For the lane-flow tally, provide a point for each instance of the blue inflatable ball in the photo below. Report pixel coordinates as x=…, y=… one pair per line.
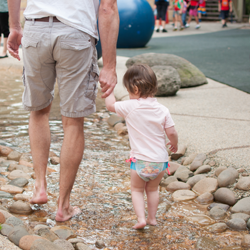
x=136, y=23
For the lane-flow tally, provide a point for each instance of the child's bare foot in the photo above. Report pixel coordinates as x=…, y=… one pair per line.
x=140, y=225
x=151, y=222
x=66, y=214
x=39, y=196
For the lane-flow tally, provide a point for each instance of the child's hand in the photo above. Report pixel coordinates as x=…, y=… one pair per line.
x=173, y=147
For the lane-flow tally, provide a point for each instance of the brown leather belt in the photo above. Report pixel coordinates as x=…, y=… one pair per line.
x=44, y=19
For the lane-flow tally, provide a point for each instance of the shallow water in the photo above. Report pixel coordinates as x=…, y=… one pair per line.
x=102, y=186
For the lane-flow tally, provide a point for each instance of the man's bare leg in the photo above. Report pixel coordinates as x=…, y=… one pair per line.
x=39, y=133
x=70, y=159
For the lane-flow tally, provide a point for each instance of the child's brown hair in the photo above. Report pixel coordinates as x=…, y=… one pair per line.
x=142, y=77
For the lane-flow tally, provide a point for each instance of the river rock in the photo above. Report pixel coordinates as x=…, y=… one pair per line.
x=6, y=214
x=198, y=161
x=189, y=74
x=82, y=246
x=26, y=157
x=18, y=174
x=203, y=169
x=14, y=156
x=47, y=234
x=248, y=224
x=26, y=163
x=232, y=248
x=243, y=216
x=217, y=227
x=225, y=207
x=2, y=218
x=99, y=244
x=227, y=177
x=205, y=198
x=26, y=241
x=63, y=232
x=205, y=185
x=64, y=244
x=167, y=181
x=11, y=189
x=177, y=185
x=180, y=152
x=114, y=119
x=243, y=183
x=225, y=195
x=21, y=197
x=55, y=160
x=183, y=195
x=20, y=207
x=173, y=167
x=6, y=229
x=242, y=206
x=43, y=244
x=217, y=213
x=19, y=182
x=219, y=170
x=23, y=168
x=16, y=234
x=5, y=151
x=204, y=243
x=188, y=160
x=37, y=227
x=237, y=224
x=183, y=175
x=5, y=195
x=246, y=241
x=200, y=219
x=193, y=180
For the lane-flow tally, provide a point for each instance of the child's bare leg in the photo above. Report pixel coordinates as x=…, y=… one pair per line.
x=153, y=198
x=137, y=190
x=196, y=19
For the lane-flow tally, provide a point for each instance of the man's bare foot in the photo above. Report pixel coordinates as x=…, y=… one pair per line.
x=140, y=225
x=64, y=215
x=39, y=197
x=151, y=222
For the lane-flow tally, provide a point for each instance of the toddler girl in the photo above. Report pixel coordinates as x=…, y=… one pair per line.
x=147, y=122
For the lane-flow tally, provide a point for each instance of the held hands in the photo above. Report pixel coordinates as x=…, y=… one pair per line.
x=173, y=147
x=108, y=80
x=14, y=41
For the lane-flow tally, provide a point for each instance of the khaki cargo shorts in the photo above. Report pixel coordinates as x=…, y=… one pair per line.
x=53, y=50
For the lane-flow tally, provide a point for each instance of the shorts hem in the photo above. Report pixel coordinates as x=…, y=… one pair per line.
x=38, y=108
x=79, y=114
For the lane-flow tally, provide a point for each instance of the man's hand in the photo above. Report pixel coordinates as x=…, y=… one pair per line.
x=108, y=80
x=14, y=41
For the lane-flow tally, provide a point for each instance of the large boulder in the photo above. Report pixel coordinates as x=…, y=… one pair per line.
x=190, y=75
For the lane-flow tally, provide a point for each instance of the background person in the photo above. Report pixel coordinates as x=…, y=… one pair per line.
x=4, y=26
x=193, y=12
x=225, y=6
x=161, y=7
x=202, y=9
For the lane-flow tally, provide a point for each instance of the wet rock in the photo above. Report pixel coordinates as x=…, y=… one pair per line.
x=219, y=170
x=248, y=224
x=205, y=198
x=5, y=195
x=82, y=246
x=16, y=234
x=243, y=216
x=64, y=244
x=193, y=180
x=19, y=182
x=5, y=151
x=6, y=214
x=205, y=185
x=11, y=189
x=237, y=224
x=189, y=159
x=43, y=244
x=99, y=244
x=246, y=240
x=200, y=219
x=217, y=227
x=232, y=248
x=177, y=185
x=63, y=232
x=197, y=162
x=225, y=195
x=6, y=229
x=26, y=241
x=204, y=243
x=74, y=241
x=183, y=195
x=47, y=234
x=203, y=169
x=14, y=221
x=222, y=206
x=37, y=227
x=227, y=177
x=21, y=197
x=217, y=213
x=166, y=182
x=173, y=167
x=243, y=183
x=181, y=152
x=2, y=218
x=242, y=206
x=18, y=174
x=20, y=207
x=114, y=119
x=55, y=160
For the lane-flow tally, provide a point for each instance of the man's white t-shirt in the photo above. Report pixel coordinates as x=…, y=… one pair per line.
x=81, y=15
x=146, y=120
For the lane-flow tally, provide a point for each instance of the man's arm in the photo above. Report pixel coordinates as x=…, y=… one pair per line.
x=14, y=39
x=110, y=102
x=108, y=29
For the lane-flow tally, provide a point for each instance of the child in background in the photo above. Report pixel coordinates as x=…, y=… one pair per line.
x=147, y=122
x=184, y=12
x=225, y=6
x=178, y=9
x=202, y=9
x=193, y=4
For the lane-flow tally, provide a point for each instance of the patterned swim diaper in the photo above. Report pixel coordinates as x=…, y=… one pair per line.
x=148, y=170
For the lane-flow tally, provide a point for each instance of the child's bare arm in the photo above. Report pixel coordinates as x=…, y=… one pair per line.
x=110, y=102
x=173, y=138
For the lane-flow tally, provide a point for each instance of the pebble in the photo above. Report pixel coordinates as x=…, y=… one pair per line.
x=189, y=159
x=246, y=240
x=177, y=185
x=242, y=206
x=18, y=174
x=14, y=221
x=201, y=219
x=203, y=169
x=47, y=234
x=183, y=175
x=19, y=182
x=37, y=227
x=21, y=197
x=227, y=177
x=55, y=160
x=114, y=119
x=183, y=195
x=26, y=241
x=217, y=213
x=243, y=183
x=167, y=181
x=225, y=195
x=43, y=244
x=11, y=189
x=219, y=170
x=82, y=246
x=204, y=243
x=193, y=180
x=16, y=234
x=180, y=152
x=74, y=241
x=223, y=206
x=99, y=244
x=205, y=185
x=217, y=227
x=2, y=218
x=5, y=195
x=64, y=244
x=23, y=168
x=26, y=163
x=248, y=224
x=237, y=224
x=6, y=229
x=243, y=216
x=173, y=167
x=197, y=162
x=6, y=214
x=5, y=151
x=14, y=156
x=205, y=198
x=20, y=207
x=63, y=232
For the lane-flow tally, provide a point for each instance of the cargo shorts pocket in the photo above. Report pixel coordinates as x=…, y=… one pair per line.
x=72, y=45
x=91, y=90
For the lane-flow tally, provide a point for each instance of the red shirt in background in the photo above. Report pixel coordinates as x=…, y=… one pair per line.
x=194, y=3
x=224, y=4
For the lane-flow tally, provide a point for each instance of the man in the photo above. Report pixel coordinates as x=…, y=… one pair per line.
x=58, y=41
